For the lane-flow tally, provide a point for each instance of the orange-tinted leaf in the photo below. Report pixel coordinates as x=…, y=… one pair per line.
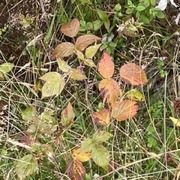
x=124, y=110
x=133, y=74
x=106, y=66
x=64, y=49
x=75, y=74
x=78, y=154
x=71, y=29
x=67, y=115
x=84, y=41
x=110, y=90
x=102, y=117
x=76, y=170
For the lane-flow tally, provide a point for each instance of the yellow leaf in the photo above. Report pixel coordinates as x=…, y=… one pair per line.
x=175, y=121
x=63, y=66
x=54, y=84
x=92, y=50
x=78, y=154
x=80, y=55
x=87, y=62
x=75, y=74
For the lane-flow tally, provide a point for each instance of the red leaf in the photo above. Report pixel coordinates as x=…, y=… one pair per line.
x=84, y=41
x=110, y=90
x=102, y=117
x=76, y=170
x=124, y=110
x=106, y=66
x=133, y=74
x=70, y=29
x=64, y=49
x=67, y=115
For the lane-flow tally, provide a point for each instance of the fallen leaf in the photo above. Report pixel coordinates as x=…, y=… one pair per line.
x=64, y=49
x=135, y=95
x=106, y=66
x=76, y=170
x=102, y=117
x=109, y=90
x=71, y=29
x=54, y=84
x=67, y=115
x=124, y=110
x=175, y=121
x=78, y=154
x=133, y=74
x=84, y=41
x=91, y=51
x=75, y=74
x=63, y=66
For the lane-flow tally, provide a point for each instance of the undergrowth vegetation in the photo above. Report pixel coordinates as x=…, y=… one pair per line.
x=89, y=90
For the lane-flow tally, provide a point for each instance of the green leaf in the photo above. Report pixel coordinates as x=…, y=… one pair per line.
x=6, y=67
x=153, y=2
x=135, y=95
x=29, y=113
x=101, y=136
x=104, y=17
x=54, y=84
x=87, y=145
x=140, y=8
x=130, y=10
x=97, y=24
x=117, y=7
x=46, y=123
x=100, y=156
x=92, y=50
x=26, y=166
x=160, y=14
